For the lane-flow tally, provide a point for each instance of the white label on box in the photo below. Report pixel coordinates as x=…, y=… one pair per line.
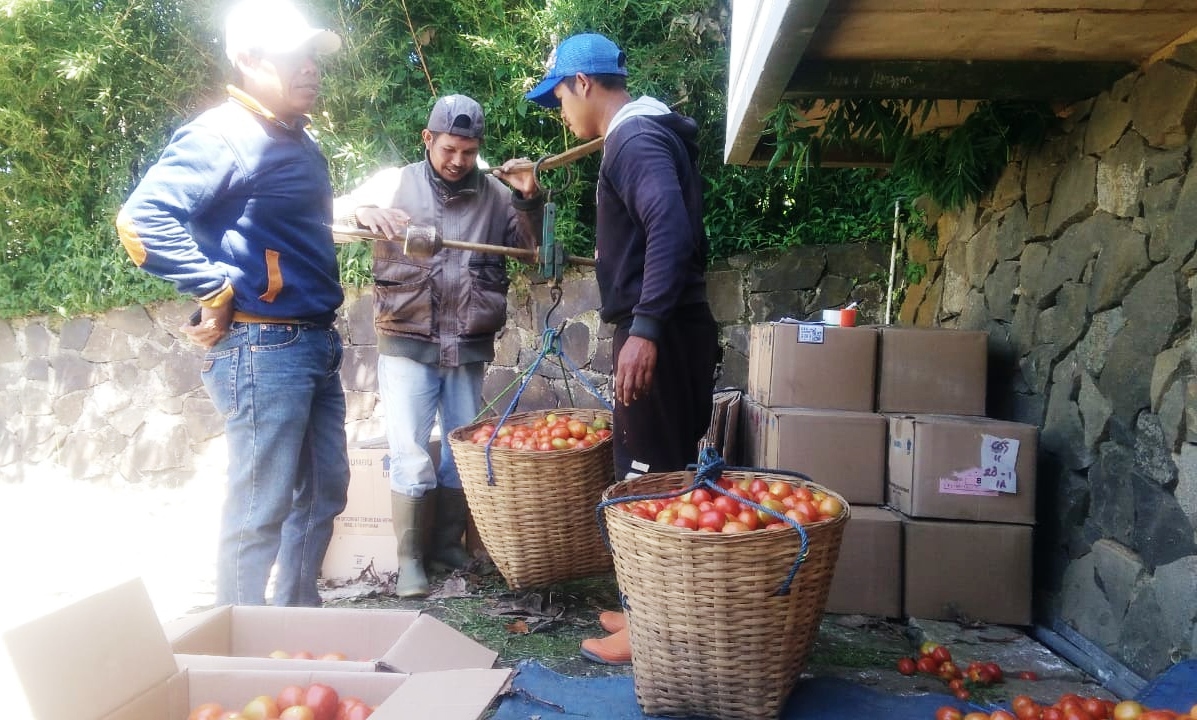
x=998, y=457
x=964, y=482
x=810, y=333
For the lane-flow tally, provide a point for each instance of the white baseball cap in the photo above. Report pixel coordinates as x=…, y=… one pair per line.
x=273, y=26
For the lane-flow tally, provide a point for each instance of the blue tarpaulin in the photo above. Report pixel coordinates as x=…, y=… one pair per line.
x=546, y=695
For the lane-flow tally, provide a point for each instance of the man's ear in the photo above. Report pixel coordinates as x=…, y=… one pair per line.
x=582, y=84
x=246, y=63
x=426, y=136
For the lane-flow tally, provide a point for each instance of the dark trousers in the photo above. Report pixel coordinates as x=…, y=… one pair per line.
x=662, y=428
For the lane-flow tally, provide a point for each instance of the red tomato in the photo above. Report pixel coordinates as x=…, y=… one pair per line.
x=297, y=712
x=749, y=517
x=262, y=707
x=700, y=495
x=995, y=670
x=926, y=665
x=685, y=522
x=947, y=712
x=1051, y=713
x=323, y=701
x=360, y=711
x=1096, y=708
x=780, y=489
x=1028, y=675
x=1076, y=712
x=758, y=486
x=712, y=519
x=735, y=526
x=1000, y=715
x=206, y=711
x=727, y=505
x=940, y=654
x=907, y=666
x=577, y=429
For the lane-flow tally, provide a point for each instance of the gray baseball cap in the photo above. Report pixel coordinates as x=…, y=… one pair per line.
x=457, y=115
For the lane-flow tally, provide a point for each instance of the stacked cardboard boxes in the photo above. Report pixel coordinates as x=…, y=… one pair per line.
x=811, y=409
x=940, y=494
x=964, y=483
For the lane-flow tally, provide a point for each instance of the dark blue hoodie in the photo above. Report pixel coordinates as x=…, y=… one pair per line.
x=651, y=244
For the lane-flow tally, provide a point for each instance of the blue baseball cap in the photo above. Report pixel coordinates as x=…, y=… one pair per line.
x=588, y=53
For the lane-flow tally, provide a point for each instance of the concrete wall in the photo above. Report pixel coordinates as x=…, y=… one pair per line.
x=1080, y=264
x=117, y=397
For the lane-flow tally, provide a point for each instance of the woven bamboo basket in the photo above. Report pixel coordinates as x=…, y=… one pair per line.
x=537, y=518
x=709, y=635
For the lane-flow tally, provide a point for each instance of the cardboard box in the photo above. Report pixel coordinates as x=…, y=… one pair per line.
x=811, y=365
x=932, y=370
x=724, y=429
x=977, y=572
x=108, y=657
x=841, y=450
x=868, y=574
x=362, y=533
x=947, y=466
x=400, y=641
x=363, y=537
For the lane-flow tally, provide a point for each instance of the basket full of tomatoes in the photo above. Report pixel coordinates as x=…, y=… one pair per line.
x=725, y=583
x=532, y=483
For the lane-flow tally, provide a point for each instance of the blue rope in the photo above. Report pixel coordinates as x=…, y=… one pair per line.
x=550, y=345
x=709, y=469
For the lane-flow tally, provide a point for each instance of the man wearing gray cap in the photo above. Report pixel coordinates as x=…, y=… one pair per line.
x=437, y=317
x=235, y=213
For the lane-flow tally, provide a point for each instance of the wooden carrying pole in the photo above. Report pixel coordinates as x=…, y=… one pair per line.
x=555, y=161
x=346, y=234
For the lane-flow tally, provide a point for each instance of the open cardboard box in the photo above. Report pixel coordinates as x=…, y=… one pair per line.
x=107, y=658
x=392, y=640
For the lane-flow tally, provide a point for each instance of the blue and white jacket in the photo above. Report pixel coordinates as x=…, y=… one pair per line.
x=237, y=209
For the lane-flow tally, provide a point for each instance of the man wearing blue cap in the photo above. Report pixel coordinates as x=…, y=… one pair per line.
x=651, y=250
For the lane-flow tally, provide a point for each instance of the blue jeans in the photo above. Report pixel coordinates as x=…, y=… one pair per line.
x=279, y=389
x=412, y=396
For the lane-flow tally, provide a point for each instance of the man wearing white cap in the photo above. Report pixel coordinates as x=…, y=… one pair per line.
x=235, y=213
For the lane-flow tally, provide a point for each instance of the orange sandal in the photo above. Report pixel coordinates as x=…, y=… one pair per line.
x=612, y=620
x=615, y=649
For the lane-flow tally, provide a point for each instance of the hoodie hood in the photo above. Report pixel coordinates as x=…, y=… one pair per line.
x=653, y=109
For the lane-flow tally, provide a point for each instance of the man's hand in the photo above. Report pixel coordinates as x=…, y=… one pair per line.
x=518, y=174
x=634, y=376
x=213, y=324
x=391, y=223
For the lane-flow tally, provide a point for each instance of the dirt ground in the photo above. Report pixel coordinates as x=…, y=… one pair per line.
x=62, y=540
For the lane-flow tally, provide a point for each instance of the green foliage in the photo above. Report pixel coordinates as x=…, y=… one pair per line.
x=91, y=91
x=951, y=167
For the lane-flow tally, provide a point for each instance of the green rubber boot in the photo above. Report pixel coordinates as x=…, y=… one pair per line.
x=452, y=516
x=407, y=520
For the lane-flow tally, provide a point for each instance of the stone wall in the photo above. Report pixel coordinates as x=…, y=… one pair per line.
x=117, y=397
x=1080, y=264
